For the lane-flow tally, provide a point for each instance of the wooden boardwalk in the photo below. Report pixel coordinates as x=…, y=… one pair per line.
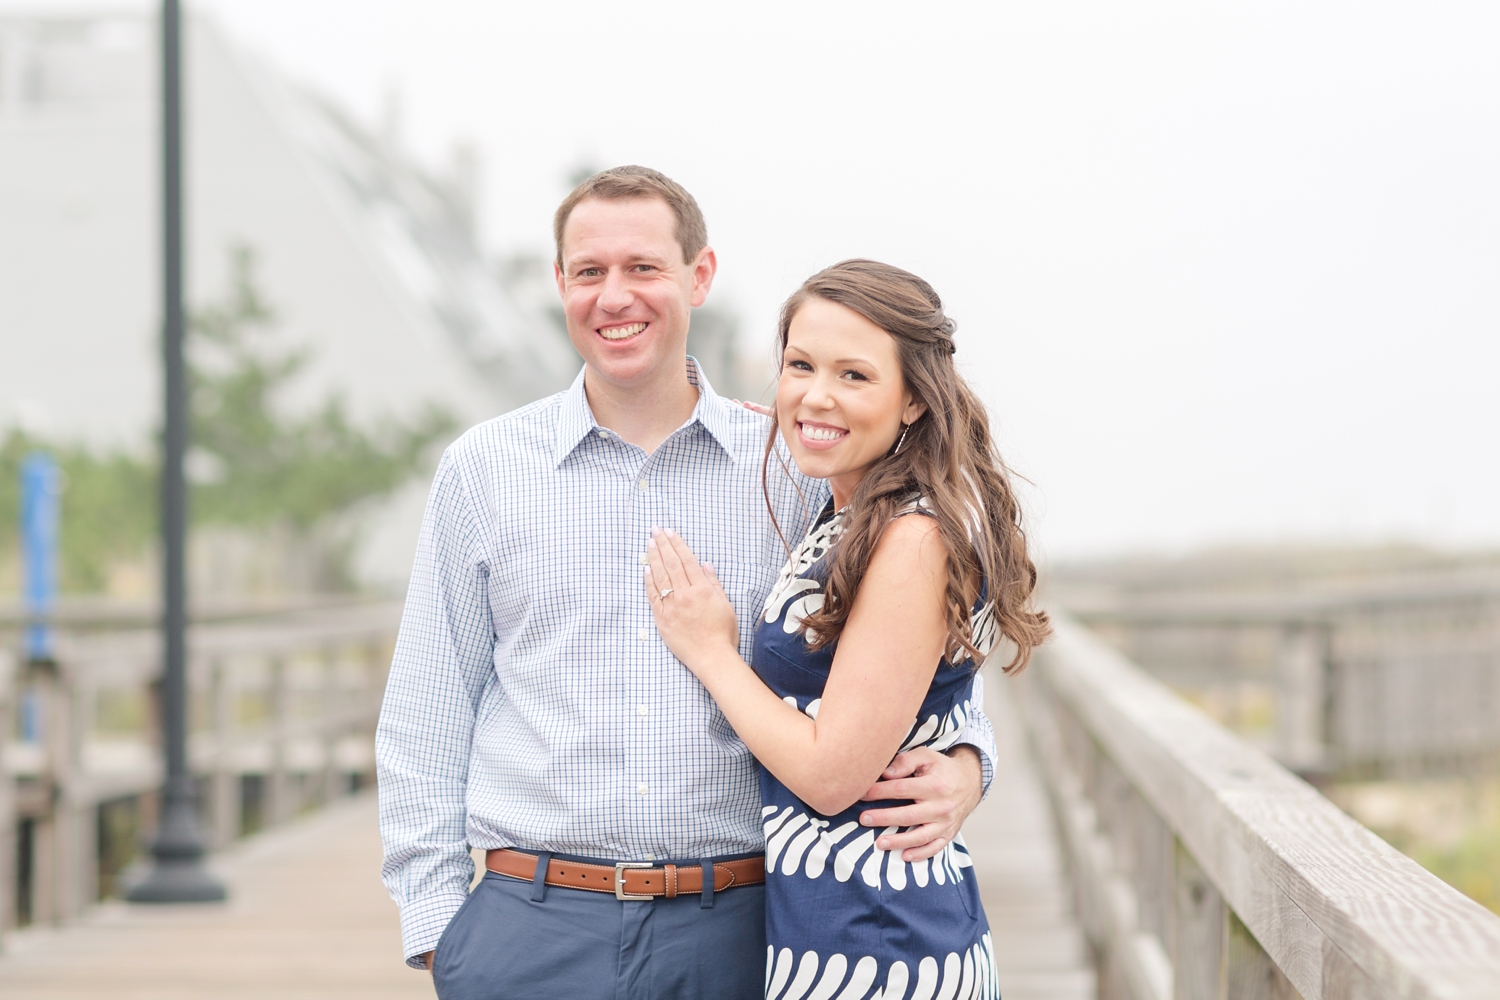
x=309, y=920
x=1040, y=951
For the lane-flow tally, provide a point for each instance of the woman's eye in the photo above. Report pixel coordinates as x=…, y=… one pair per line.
x=801, y=366
x=855, y=376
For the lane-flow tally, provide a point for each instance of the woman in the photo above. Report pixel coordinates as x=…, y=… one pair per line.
x=878, y=619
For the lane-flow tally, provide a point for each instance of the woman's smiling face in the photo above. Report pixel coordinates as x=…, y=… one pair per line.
x=841, y=400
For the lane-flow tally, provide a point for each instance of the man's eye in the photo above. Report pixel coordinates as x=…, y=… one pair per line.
x=589, y=272
x=643, y=268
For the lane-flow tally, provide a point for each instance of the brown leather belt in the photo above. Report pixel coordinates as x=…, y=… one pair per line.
x=629, y=879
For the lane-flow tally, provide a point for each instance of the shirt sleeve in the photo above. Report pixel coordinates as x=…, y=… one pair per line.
x=443, y=658
x=980, y=734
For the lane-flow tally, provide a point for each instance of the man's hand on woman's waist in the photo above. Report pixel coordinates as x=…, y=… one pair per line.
x=944, y=788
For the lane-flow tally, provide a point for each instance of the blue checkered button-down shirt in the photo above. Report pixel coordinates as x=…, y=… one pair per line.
x=531, y=702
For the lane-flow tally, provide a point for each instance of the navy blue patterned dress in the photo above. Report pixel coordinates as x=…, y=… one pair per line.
x=845, y=921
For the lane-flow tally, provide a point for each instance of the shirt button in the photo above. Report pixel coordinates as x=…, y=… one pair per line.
x=604, y=435
x=640, y=484
x=645, y=635
x=641, y=710
x=641, y=789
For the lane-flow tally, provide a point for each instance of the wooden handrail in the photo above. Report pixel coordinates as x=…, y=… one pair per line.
x=1282, y=608
x=326, y=661
x=1152, y=795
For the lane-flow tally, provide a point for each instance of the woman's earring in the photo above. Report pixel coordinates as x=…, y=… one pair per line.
x=902, y=440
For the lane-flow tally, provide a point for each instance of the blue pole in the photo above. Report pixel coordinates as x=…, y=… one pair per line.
x=40, y=486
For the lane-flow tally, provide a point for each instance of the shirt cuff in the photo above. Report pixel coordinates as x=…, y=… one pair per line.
x=423, y=922
x=979, y=734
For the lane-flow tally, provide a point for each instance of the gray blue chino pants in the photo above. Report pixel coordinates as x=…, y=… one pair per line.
x=515, y=940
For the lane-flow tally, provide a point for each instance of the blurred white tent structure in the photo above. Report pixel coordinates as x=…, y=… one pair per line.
x=370, y=261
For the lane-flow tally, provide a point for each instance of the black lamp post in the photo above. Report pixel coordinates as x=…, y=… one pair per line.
x=178, y=874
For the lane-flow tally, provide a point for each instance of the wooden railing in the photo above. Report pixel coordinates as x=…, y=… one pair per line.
x=282, y=710
x=1402, y=679
x=1203, y=869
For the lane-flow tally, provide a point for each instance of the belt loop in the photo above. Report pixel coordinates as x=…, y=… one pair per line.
x=707, y=902
x=539, y=880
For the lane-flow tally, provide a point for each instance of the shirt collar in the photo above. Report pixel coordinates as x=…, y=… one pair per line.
x=576, y=420
x=712, y=411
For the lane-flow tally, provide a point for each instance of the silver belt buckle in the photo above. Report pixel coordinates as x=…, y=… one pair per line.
x=620, y=867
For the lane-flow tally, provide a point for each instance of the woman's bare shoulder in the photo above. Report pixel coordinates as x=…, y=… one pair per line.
x=909, y=545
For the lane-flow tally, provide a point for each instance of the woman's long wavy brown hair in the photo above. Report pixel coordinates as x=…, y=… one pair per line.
x=948, y=457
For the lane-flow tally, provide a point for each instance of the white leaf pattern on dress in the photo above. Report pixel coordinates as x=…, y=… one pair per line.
x=772, y=824
x=818, y=856
x=845, y=859
x=833, y=977
x=775, y=843
x=784, y=842
x=895, y=870
x=952, y=969
x=970, y=976
x=895, y=983
x=871, y=870
x=927, y=979
x=809, y=604
x=777, y=979
x=862, y=979
x=807, y=971
x=800, y=844
x=777, y=601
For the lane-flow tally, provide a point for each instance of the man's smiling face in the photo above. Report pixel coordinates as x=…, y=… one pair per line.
x=626, y=292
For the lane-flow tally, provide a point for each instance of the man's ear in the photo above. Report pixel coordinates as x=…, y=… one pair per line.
x=557, y=275
x=704, y=269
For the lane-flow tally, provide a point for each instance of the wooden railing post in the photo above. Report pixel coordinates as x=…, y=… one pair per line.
x=333, y=712
x=1250, y=973
x=1302, y=696
x=278, y=805
x=1151, y=871
x=51, y=839
x=1201, y=929
x=226, y=776
x=8, y=847
x=78, y=826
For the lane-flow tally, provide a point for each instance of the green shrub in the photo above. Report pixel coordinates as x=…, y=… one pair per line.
x=252, y=466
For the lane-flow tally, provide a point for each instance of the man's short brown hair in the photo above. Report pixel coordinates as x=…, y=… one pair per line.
x=619, y=183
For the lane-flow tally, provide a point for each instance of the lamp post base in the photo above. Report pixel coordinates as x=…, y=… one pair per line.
x=179, y=875
x=178, y=882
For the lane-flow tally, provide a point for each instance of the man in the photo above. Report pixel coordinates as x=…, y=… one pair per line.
x=533, y=712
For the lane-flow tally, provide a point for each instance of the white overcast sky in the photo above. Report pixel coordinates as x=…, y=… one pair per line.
x=1224, y=272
